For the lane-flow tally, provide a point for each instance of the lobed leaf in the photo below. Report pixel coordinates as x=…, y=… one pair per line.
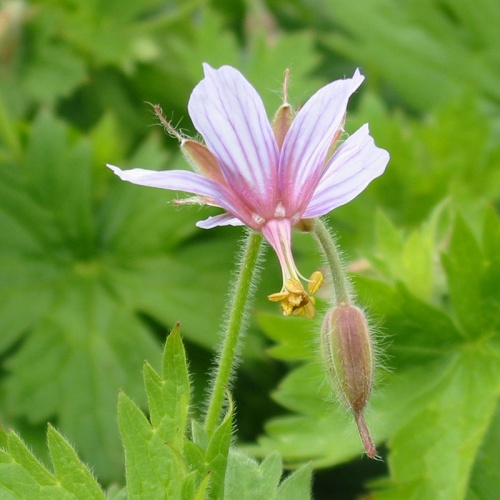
x=23, y=476
x=71, y=474
x=152, y=467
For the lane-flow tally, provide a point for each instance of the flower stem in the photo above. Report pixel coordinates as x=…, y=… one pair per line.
x=235, y=326
x=329, y=248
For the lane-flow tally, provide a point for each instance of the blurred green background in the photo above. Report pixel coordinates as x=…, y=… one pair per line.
x=94, y=272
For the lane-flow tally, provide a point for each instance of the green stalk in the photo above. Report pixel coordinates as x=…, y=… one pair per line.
x=241, y=298
x=327, y=244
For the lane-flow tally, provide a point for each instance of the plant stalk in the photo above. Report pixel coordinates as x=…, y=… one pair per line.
x=235, y=326
x=327, y=244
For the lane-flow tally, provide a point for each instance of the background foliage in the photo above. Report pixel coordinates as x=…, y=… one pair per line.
x=95, y=272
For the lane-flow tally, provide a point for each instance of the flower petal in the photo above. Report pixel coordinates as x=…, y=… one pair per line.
x=278, y=232
x=231, y=117
x=352, y=167
x=176, y=180
x=184, y=180
x=307, y=143
x=219, y=220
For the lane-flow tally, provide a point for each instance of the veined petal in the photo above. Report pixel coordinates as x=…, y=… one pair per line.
x=219, y=220
x=306, y=145
x=352, y=167
x=175, y=180
x=231, y=117
x=184, y=180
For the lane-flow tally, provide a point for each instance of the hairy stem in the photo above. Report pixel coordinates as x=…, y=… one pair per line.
x=329, y=248
x=240, y=301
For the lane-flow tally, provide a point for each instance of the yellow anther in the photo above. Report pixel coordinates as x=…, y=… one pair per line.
x=294, y=286
x=294, y=298
x=307, y=310
x=315, y=282
x=278, y=296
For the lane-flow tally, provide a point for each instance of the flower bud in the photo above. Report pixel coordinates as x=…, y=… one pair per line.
x=347, y=351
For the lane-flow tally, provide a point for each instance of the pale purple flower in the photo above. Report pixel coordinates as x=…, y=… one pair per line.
x=270, y=177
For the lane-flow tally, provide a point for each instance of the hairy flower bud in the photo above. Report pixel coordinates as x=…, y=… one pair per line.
x=348, y=354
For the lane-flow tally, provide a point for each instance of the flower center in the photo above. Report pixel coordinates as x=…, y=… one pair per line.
x=295, y=299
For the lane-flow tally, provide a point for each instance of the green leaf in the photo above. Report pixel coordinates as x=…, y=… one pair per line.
x=421, y=331
x=23, y=476
x=195, y=456
x=17, y=482
x=297, y=485
x=70, y=472
x=53, y=73
x=198, y=435
x=202, y=490
x=390, y=243
x=246, y=479
x=46, y=370
x=156, y=450
x=292, y=335
x=115, y=492
x=491, y=274
x=216, y=458
x=441, y=432
x=169, y=394
x=152, y=468
x=464, y=266
x=21, y=454
x=402, y=42
x=410, y=258
x=485, y=474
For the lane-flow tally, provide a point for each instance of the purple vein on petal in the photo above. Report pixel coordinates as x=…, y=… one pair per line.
x=309, y=139
x=184, y=180
x=353, y=166
x=230, y=115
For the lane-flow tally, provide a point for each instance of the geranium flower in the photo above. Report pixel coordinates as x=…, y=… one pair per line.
x=270, y=177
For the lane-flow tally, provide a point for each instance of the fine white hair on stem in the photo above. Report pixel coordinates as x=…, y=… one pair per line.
x=227, y=311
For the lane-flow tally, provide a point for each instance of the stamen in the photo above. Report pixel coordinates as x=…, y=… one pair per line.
x=294, y=286
x=315, y=281
x=295, y=300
